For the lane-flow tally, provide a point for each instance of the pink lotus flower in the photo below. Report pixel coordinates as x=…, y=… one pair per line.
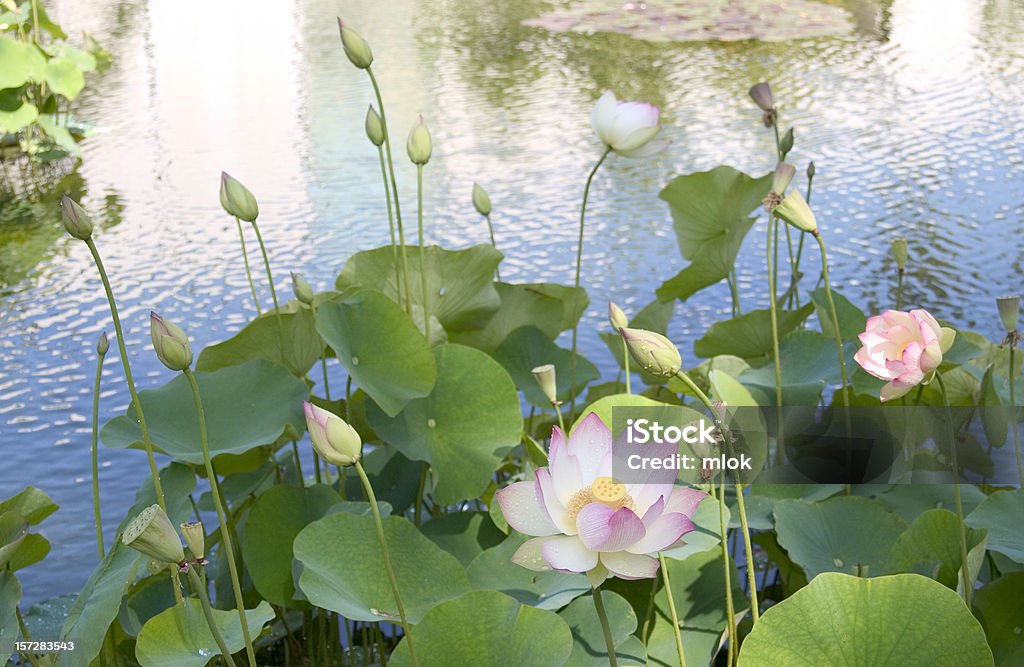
x=904, y=348
x=582, y=520
x=628, y=128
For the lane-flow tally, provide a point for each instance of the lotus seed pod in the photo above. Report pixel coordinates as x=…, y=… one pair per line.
x=1009, y=311
x=374, y=127
x=170, y=343
x=419, y=145
x=77, y=222
x=301, y=289
x=795, y=211
x=546, y=379
x=761, y=93
x=356, y=48
x=900, y=253
x=236, y=199
x=655, y=353
x=481, y=202
x=195, y=538
x=616, y=317
x=103, y=344
x=783, y=176
x=333, y=439
x=152, y=534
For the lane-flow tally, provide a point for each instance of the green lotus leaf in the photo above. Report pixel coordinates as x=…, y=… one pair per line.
x=588, y=644
x=181, y=637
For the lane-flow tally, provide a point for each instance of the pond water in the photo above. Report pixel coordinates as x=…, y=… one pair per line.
x=915, y=121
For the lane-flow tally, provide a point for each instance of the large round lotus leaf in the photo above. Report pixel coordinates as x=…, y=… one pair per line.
x=380, y=347
x=340, y=559
x=910, y=500
x=1001, y=514
x=494, y=570
x=246, y=406
x=180, y=636
x=998, y=607
x=10, y=595
x=487, y=629
x=464, y=535
x=31, y=503
x=460, y=283
x=845, y=621
x=526, y=348
x=847, y=534
x=463, y=428
x=64, y=77
x=588, y=645
x=277, y=516
x=260, y=339
x=931, y=546
x=22, y=62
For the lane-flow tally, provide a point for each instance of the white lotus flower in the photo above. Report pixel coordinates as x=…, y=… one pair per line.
x=628, y=128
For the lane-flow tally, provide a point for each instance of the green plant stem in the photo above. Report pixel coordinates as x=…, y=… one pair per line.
x=222, y=516
x=490, y=230
x=734, y=290
x=96, y=458
x=625, y=362
x=645, y=629
x=672, y=610
x=423, y=250
x=738, y=487
x=372, y=499
x=298, y=463
x=835, y=324
x=576, y=281
x=273, y=290
x=605, y=628
x=248, y=270
x=1013, y=413
x=773, y=307
x=394, y=188
x=899, y=289
x=965, y=570
x=204, y=600
x=391, y=229
x=561, y=422
x=119, y=334
x=730, y=608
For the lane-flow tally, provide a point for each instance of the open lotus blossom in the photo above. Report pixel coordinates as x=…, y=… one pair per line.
x=628, y=128
x=582, y=520
x=903, y=348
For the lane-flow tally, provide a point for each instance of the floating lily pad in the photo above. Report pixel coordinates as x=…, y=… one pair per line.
x=181, y=637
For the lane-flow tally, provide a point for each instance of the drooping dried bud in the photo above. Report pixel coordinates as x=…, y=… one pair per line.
x=616, y=317
x=170, y=343
x=419, y=145
x=481, y=201
x=374, y=127
x=356, y=48
x=103, y=344
x=761, y=93
x=795, y=211
x=333, y=439
x=900, y=253
x=783, y=176
x=236, y=199
x=655, y=353
x=1009, y=311
x=546, y=379
x=195, y=538
x=301, y=289
x=77, y=222
x=152, y=534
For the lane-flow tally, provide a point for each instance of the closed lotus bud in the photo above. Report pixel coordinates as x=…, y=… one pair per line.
x=481, y=202
x=103, y=344
x=1009, y=311
x=900, y=252
x=333, y=439
x=545, y=376
x=761, y=93
x=356, y=48
x=195, y=538
x=77, y=222
x=810, y=169
x=795, y=211
x=303, y=292
x=152, y=534
x=655, y=353
x=170, y=343
x=419, y=146
x=784, y=173
x=616, y=317
x=374, y=127
x=236, y=199
x=786, y=143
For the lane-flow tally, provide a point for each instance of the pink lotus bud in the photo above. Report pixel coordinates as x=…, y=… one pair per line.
x=77, y=222
x=170, y=343
x=628, y=128
x=616, y=317
x=655, y=353
x=333, y=439
x=356, y=48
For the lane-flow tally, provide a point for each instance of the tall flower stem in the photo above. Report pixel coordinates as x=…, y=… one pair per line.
x=394, y=187
x=119, y=334
x=222, y=516
x=672, y=610
x=605, y=628
x=423, y=250
x=965, y=570
x=204, y=600
x=774, y=309
x=730, y=608
x=625, y=360
x=248, y=271
x=1013, y=418
x=835, y=320
x=273, y=291
x=899, y=290
x=738, y=487
x=576, y=281
x=399, y=277
x=95, y=456
x=372, y=499
x=734, y=290
x=490, y=230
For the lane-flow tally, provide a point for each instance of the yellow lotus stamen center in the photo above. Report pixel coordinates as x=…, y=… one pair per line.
x=607, y=491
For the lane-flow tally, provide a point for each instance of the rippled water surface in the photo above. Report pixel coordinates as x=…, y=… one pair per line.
x=914, y=120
